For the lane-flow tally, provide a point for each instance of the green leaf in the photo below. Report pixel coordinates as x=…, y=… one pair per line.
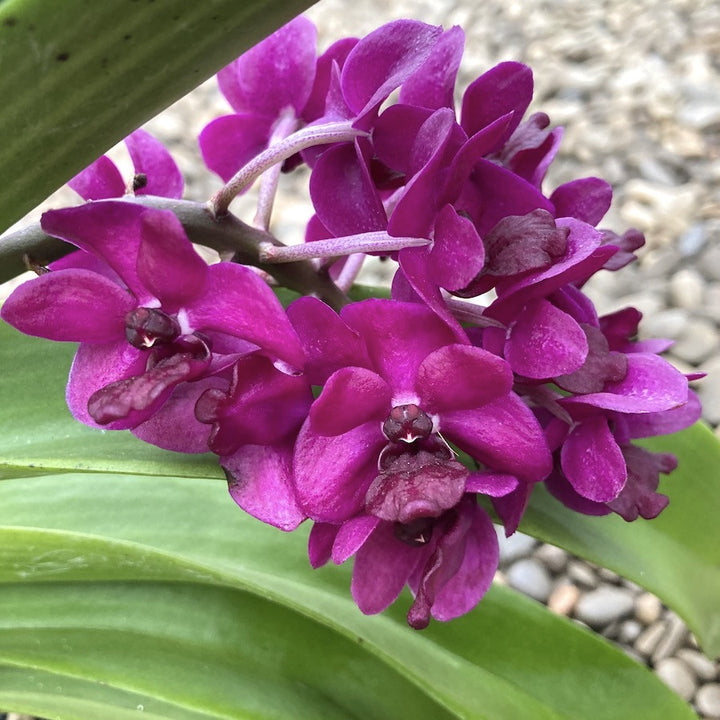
x=676, y=555
x=77, y=76
x=38, y=435
x=159, y=592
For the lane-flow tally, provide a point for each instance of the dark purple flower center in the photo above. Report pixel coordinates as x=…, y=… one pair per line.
x=147, y=327
x=407, y=423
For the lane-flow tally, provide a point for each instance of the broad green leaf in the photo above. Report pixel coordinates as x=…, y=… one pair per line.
x=77, y=77
x=676, y=555
x=38, y=434
x=159, y=592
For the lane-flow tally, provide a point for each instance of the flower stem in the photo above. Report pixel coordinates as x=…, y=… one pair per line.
x=304, y=138
x=337, y=247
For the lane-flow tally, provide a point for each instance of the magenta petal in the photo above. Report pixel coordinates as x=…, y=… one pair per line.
x=504, y=435
x=491, y=483
x=382, y=567
x=545, y=342
x=586, y=199
x=260, y=482
x=352, y=396
x=343, y=194
x=663, y=422
x=277, y=72
x=237, y=302
x=151, y=158
x=382, y=60
x=650, y=385
x=511, y=507
x=508, y=87
x=178, y=412
x=351, y=536
x=328, y=342
x=464, y=589
x=394, y=134
x=559, y=487
x=94, y=367
x=458, y=253
x=320, y=542
x=336, y=54
x=167, y=264
x=398, y=337
x=332, y=474
x=70, y=305
x=432, y=85
x=460, y=377
x=229, y=142
x=99, y=181
x=592, y=460
x=109, y=230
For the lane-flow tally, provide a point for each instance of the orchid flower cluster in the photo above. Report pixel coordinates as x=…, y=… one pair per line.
x=391, y=423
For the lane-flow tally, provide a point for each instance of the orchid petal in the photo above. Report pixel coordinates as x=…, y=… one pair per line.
x=351, y=536
x=508, y=87
x=545, y=342
x=586, y=199
x=332, y=474
x=260, y=482
x=382, y=567
x=69, y=305
x=491, y=483
x=592, y=460
x=109, y=230
x=461, y=377
x=650, y=385
x=99, y=181
x=277, y=72
x=151, y=158
x=352, y=396
x=320, y=542
x=230, y=142
x=336, y=54
x=432, y=85
x=237, y=301
x=504, y=435
x=398, y=337
x=383, y=60
x=329, y=344
x=511, y=507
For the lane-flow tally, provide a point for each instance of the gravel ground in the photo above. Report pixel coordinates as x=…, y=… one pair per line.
x=637, y=87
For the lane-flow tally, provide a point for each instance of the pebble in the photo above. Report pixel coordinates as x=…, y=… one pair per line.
x=668, y=323
x=710, y=262
x=529, y=576
x=554, y=558
x=678, y=676
x=647, y=608
x=579, y=572
x=512, y=548
x=709, y=389
x=563, y=599
x=687, y=289
x=702, y=666
x=604, y=605
x=708, y=700
x=649, y=638
x=675, y=634
x=698, y=341
x=629, y=631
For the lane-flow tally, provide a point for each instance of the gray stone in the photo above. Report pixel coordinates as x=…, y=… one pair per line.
x=708, y=700
x=704, y=668
x=647, y=608
x=604, y=605
x=677, y=676
x=697, y=342
x=710, y=262
x=512, y=548
x=529, y=576
x=687, y=288
x=709, y=390
x=711, y=308
x=554, y=558
x=675, y=634
x=579, y=572
x=563, y=598
x=629, y=631
x=649, y=638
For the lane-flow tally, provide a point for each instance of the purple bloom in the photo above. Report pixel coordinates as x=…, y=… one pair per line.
x=151, y=317
x=398, y=388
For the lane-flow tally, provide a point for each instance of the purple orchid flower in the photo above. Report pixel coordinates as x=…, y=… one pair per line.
x=155, y=172
x=156, y=324
x=373, y=455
